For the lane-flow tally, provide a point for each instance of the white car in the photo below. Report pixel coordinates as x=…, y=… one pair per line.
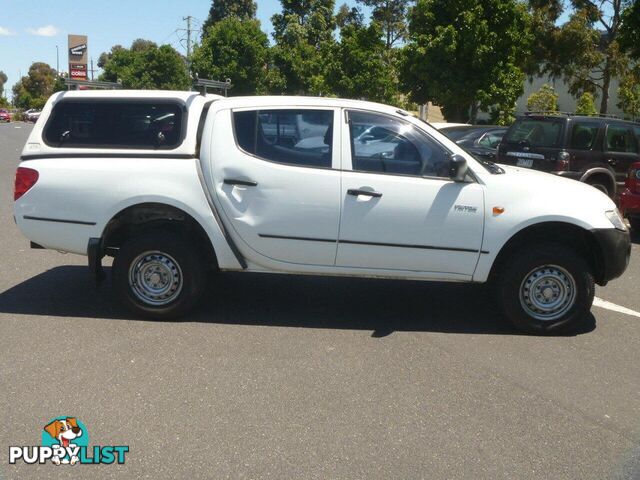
x=175, y=184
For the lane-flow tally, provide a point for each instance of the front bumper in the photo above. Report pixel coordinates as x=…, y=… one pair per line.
x=614, y=253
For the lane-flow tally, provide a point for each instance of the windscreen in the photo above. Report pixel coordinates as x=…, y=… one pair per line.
x=536, y=132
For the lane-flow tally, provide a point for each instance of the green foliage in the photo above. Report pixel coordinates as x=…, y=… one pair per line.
x=544, y=100
x=629, y=94
x=145, y=66
x=33, y=90
x=584, y=51
x=221, y=9
x=238, y=50
x=466, y=54
x=586, y=105
x=630, y=31
x=304, y=44
x=360, y=68
x=391, y=15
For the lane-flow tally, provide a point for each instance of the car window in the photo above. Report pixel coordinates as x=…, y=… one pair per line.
x=620, y=139
x=294, y=137
x=491, y=139
x=117, y=124
x=583, y=135
x=636, y=131
x=380, y=143
x=536, y=132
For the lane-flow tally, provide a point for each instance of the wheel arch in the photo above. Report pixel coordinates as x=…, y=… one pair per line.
x=600, y=173
x=148, y=215
x=568, y=234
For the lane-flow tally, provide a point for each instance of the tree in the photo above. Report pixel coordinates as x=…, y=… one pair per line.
x=392, y=17
x=238, y=50
x=629, y=94
x=586, y=105
x=145, y=66
x=349, y=16
x=304, y=45
x=630, y=30
x=544, y=100
x=33, y=90
x=3, y=80
x=360, y=69
x=221, y=9
x=584, y=51
x=464, y=55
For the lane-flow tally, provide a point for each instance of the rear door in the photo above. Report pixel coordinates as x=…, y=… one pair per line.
x=620, y=148
x=533, y=142
x=278, y=185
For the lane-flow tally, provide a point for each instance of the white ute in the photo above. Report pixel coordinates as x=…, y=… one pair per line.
x=174, y=184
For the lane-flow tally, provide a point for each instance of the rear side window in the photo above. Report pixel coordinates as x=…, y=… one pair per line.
x=294, y=137
x=118, y=124
x=583, y=135
x=536, y=132
x=620, y=139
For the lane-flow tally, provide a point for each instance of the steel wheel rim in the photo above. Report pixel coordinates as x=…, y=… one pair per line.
x=547, y=292
x=155, y=278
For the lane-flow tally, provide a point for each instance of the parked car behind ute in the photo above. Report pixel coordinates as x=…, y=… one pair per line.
x=595, y=150
x=480, y=140
x=175, y=184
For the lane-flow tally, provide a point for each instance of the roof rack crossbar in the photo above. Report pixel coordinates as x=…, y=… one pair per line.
x=75, y=84
x=202, y=84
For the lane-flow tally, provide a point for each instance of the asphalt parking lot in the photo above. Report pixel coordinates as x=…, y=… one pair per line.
x=300, y=377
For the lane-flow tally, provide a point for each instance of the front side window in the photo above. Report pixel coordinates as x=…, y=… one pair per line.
x=294, y=137
x=620, y=139
x=115, y=124
x=583, y=135
x=384, y=144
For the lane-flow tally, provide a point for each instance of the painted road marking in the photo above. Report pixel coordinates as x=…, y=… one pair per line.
x=598, y=302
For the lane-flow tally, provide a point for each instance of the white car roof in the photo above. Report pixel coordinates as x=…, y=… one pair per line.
x=131, y=94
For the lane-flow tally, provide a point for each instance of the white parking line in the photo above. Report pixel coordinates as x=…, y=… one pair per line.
x=598, y=302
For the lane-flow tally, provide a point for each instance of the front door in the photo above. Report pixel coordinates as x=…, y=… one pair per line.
x=400, y=209
x=274, y=176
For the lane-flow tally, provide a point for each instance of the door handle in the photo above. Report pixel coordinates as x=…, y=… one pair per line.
x=244, y=183
x=355, y=192
x=611, y=161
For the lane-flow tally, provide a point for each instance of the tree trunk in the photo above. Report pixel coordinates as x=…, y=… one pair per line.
x=473, y=113
x=606, y=82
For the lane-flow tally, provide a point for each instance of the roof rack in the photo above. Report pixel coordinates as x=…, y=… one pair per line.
x=75, y=84
x=571, y=114
x=201, y=84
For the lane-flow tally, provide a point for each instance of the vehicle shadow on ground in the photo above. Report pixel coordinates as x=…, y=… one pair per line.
x=382, y=306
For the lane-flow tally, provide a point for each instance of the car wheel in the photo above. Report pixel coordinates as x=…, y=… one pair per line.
x=159, y=275
x=600, y=185
x=546, y=289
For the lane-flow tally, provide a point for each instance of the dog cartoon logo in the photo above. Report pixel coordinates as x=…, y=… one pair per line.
x=65, y=431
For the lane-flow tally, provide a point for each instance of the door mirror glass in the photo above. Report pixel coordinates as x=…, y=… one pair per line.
x=457, y=168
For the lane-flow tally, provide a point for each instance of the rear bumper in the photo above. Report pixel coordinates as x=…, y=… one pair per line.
x=629, y=203
x=615, y=251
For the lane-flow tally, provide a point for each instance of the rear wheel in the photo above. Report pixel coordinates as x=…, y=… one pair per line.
x=601, y=185
x=159, y=275
x=546, y=289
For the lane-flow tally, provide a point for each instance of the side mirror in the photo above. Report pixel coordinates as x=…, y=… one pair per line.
x=457, y=168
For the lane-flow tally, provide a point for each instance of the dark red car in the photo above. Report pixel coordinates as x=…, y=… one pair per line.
x=4, y=116
x=630, y=197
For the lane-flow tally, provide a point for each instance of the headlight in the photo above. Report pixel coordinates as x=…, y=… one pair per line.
x=616, y=219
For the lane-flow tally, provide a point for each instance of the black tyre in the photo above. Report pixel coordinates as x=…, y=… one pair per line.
x=546, y=289
x=600, y=185
x=159, y=275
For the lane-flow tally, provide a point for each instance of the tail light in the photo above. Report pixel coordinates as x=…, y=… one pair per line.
x=562, y=163
x=25, y=179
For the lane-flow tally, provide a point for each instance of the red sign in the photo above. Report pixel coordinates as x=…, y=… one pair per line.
x=78, y=71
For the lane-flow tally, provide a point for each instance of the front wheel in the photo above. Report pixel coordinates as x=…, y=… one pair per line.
x=159, y=275
x=546, y=289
